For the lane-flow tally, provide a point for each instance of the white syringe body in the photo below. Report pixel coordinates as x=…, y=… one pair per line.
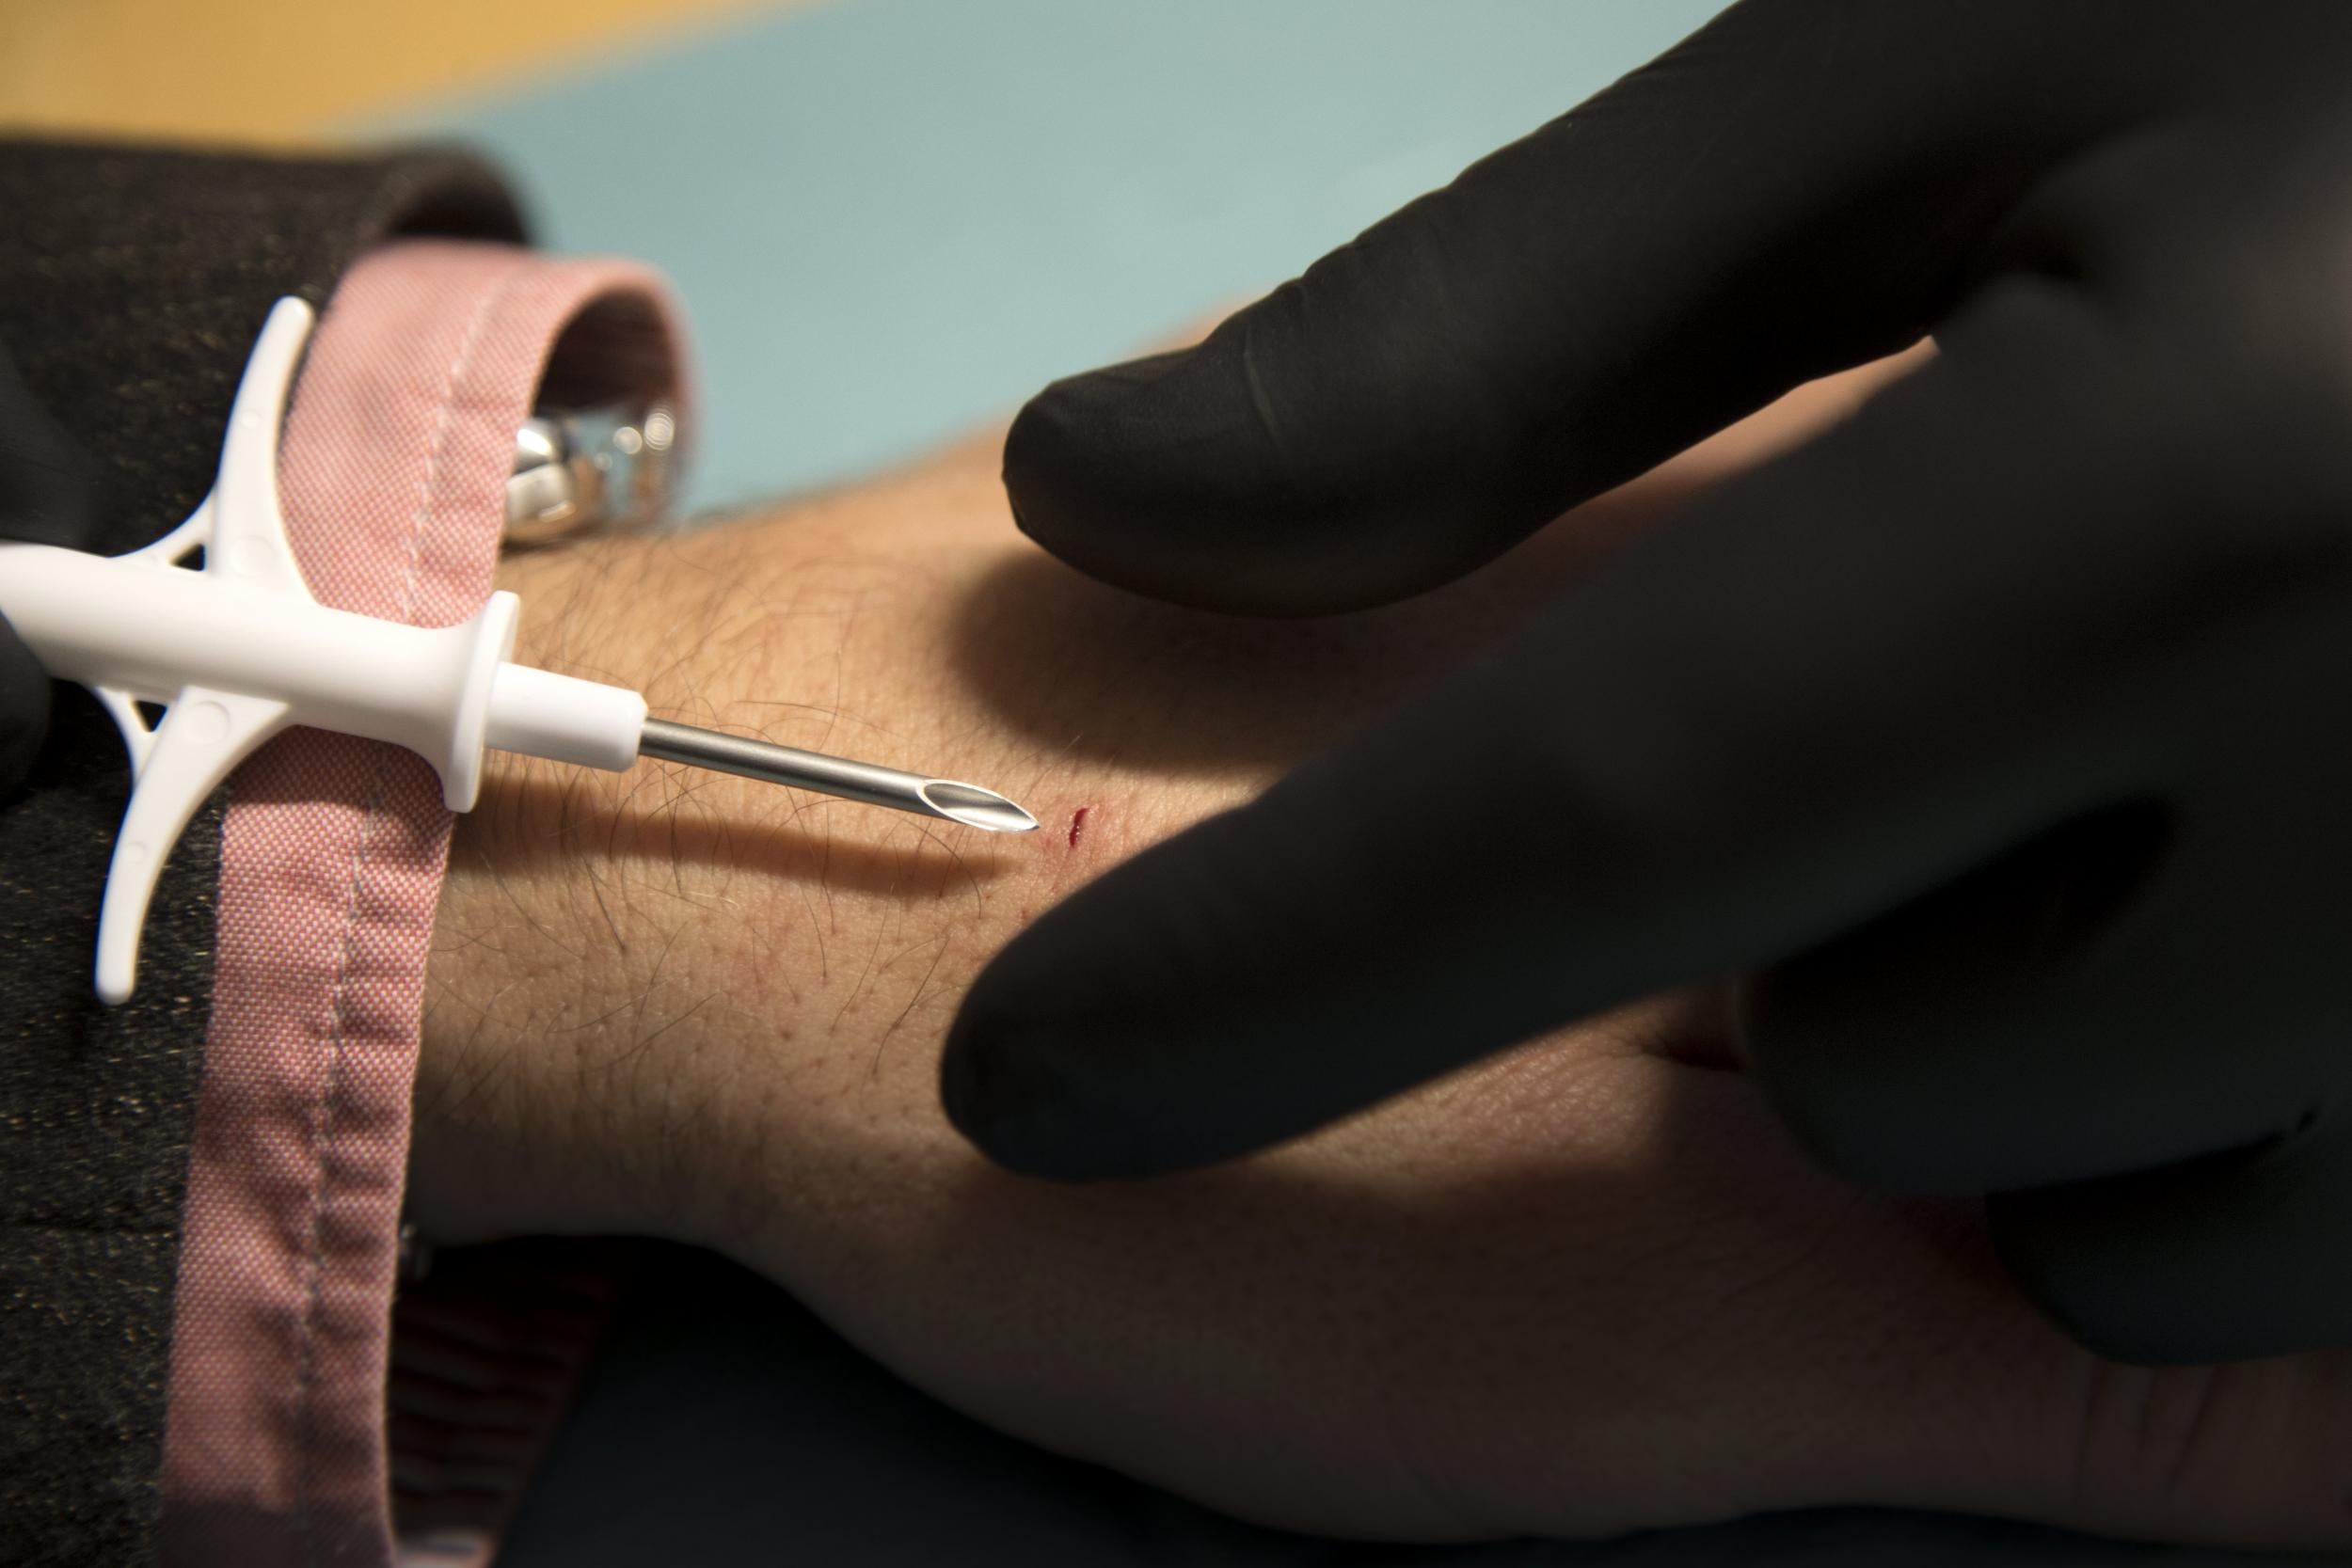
x=154, y=630
x=236, y=649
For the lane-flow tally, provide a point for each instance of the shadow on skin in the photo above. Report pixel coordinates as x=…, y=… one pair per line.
x=1531, y=1255
x=1187, y=690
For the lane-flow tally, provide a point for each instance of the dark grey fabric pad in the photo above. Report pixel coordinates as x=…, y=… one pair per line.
x=132, y=284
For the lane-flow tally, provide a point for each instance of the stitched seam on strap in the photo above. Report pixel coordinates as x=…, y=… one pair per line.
x=411, y=586
x=412, y=578
x=307, y=1374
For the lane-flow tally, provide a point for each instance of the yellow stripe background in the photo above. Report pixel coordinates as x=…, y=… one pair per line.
x=275, y=71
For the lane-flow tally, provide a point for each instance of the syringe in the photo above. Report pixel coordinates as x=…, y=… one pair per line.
x=236, y=650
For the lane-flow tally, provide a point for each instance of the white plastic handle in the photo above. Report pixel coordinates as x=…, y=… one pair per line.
x=152, y=632
x=237, y=650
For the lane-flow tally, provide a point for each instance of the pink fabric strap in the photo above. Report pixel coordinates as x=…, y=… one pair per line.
x=392, y=474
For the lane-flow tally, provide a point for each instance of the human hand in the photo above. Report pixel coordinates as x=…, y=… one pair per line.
x=1586, y=1287
x=1995, y=737
x=45, y=500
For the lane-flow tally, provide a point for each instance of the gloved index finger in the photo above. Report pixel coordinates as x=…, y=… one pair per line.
x=1751, y=210
x=1839, y=684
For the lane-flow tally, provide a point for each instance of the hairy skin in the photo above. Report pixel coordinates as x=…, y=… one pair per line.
x=1587, y=1286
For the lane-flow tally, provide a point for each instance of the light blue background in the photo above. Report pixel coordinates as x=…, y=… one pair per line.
x=891, y=219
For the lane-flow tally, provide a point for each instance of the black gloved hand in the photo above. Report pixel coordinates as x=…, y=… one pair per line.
x=2002, y=737
x=45, y=500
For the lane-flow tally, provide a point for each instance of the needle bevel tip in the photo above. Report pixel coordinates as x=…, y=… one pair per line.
x=976, y=807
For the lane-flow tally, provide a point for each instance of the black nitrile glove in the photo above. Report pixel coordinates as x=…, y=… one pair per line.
x=2001, y=738
x=45, y=500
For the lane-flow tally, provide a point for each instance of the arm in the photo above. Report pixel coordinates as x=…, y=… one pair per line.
x=1587, y=1286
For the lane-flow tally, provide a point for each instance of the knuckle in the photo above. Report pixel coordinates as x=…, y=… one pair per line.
x=2206, y=263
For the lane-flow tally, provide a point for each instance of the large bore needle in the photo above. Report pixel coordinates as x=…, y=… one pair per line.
x=852, y=780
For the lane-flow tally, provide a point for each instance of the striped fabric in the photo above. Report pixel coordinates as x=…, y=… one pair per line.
x=392, y=476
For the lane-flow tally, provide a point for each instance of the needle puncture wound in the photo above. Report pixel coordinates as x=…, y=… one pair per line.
x=235, y=649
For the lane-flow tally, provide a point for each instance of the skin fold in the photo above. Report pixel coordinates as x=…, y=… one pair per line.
x=1589, y=1286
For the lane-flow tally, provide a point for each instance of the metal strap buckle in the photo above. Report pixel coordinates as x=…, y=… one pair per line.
x=607, y=468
